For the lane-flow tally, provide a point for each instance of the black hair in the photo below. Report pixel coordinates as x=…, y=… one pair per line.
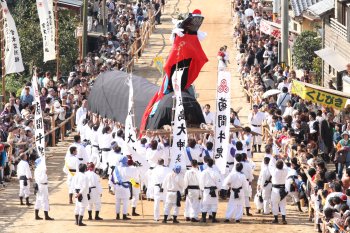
x=210, y=162
x=209, y=145
x=72, y=149
x=194, y=163
x=239, y=157
x=76, y=138
x=239, y=167
x=239, y=145
x=82, y=167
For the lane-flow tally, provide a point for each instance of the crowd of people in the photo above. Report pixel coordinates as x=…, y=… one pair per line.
x=123, y=23
x=307, y=136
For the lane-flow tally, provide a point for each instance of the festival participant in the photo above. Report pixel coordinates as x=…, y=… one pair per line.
x=122, y=186
x=95, y=149
x=156, y=180
x=292, y=185
x=248, y=172
x=193, y=152
x=192, y=193
x=279, y=173
x=210, y=183
x=24, y=176
x=207, y=151
x=42, y=191
x=80, y=185
x=247, y=141
x=173, y=185
x=208, y=116
x=70, y=167
x=135, y=183
x=81, y=154
x=114, y=156
x=237, y=182
x=265, y=185
x=153, y=155
x=256, y=119
x=104, y=142
x=95, y=192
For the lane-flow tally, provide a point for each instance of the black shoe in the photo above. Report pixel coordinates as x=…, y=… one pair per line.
x=37, y=215
x=97, y=215
x=125, y=217
x=27, y=202
x=134, y=212
x=284, y=222
x=204, y=217
x=76, y=219
x=47, y=217
x=275, y=221
x=226, y=221
x=214, y=220
x=194, y=220
x=188, y=219
x=247, y=210
x=165, y=219
x=90, y=214
x=210, y=217
x=21, y=200
x=118, y=217
x=81, y=221
x=175, y=219
x=238, y=221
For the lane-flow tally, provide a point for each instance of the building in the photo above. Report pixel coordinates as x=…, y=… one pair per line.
x=335, y=54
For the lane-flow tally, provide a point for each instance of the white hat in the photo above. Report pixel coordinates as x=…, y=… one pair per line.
x=110, y=43
x=27, y=128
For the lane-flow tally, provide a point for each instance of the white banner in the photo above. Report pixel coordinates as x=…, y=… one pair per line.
x=38, y=120
x=130, y=134
x=178, y=148
x=222, y=119
x=13, y=56
x=47, y=26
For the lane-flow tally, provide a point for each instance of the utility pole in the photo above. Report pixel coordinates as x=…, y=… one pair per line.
x=85, y=32
x=3, y=71
x=104, y=23
x=284, y=31
x=57, y=41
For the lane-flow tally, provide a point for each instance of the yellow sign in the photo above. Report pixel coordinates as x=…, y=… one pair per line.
x=321, y=97
x=159, y=63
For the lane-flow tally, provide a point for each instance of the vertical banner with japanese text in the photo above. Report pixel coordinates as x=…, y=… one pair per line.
x=38, y=120
x=130, y=134
x=13, y=56
x=178, y=148
x=222, y=120
x=47, y=26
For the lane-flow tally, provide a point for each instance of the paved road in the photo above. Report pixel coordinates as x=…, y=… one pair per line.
x=15, y=218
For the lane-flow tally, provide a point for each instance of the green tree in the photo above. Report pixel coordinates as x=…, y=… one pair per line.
x=27, y=21
x=317, y=68
x=304, y=49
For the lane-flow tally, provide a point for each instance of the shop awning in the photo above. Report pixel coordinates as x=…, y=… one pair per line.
x=321, y=95
x=321, y=8
x=332, y=58
x=71, y=3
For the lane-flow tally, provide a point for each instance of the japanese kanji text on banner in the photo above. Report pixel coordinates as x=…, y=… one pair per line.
x=222, y=120
x=130, y=134
x=47, y=26
x=178, y=148
x=13, y=56
x=38, y=121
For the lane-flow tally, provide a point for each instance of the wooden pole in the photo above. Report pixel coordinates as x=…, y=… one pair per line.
x=3, y=71
x=57, y=41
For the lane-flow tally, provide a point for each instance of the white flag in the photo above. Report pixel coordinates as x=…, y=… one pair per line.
x=13, y=56
x=178, y=148
x=38, y=120
x=47, y=26
x=130, y=134
x=222, y=120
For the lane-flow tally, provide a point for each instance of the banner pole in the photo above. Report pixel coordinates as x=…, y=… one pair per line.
x=3, y=70
x=57, y=41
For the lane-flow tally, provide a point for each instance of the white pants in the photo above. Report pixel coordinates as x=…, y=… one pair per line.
x=135, y=196
x=257, y=139
x=277, y=203
x=235, y=208
x=158, y=196
x=246, y=201
x=118, y=202
x=192, y=207
x=79, y=208
x=95, y=157
x=104, y=159
x=168, y=206
x=42, y=198
x=24, y=190
x=95, y=200
x=209, y=208
x=266, y=195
